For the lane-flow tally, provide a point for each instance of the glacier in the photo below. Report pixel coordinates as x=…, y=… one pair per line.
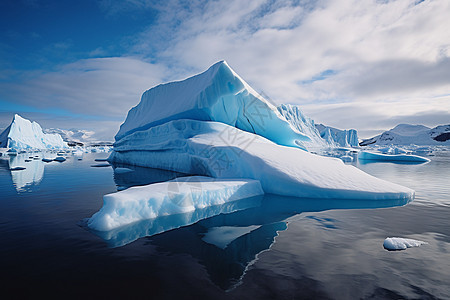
x=23, y=134
x=216, y=126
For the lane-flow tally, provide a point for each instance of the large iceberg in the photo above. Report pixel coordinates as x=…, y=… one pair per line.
x=23, y=134
x=219, y=150
x=215, y=125
x=218, y=94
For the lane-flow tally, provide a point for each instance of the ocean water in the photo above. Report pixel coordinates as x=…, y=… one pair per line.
x=267, y=247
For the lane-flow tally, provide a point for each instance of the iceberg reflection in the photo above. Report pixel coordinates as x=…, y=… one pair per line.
x=27, y=179
x=227, y=239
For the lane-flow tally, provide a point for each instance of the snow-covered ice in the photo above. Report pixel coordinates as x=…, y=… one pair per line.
x=305, y=125
x=396, y=243
x=406, y=134
x=177, y=196
x=366, y=155
x=218, y=94
x=218, y=150
x=337, y=137
x=23, y=134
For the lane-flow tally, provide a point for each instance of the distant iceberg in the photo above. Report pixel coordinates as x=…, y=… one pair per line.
x=366, y=155
x=305, y=125
x=23, y=134
x=338, y=137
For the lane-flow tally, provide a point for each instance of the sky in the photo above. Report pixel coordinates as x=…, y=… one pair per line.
x=362, y=64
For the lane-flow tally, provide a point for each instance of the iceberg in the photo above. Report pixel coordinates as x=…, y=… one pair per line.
x=221, y=151
x=177, y=196
x=342, y=138
x=305, y=125
x=396, y=243
x=218, y=94
x=366, y=155
x=23, y=134
x=214, y=124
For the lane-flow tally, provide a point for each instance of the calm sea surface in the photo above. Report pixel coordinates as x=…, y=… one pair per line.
x=258, y=248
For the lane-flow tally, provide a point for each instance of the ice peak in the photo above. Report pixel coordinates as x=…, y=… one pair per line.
x=218, y=94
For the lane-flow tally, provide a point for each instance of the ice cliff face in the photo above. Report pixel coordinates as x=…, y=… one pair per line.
x=337, y=137
x=218, y=94
x=22, y=134
x=305, y=125
x=405, y=134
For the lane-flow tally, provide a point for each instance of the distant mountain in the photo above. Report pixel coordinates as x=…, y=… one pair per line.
x=74, y=136
x=406, y=134
x=23, y=134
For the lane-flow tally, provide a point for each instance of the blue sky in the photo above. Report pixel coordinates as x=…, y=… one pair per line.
x=366, y=64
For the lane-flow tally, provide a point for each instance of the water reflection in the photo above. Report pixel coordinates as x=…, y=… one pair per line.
x=226, y=239
x=28, y=179
x=135, y=175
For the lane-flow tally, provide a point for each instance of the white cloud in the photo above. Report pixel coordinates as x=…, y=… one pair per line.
x=378, y=51
x=105, y=87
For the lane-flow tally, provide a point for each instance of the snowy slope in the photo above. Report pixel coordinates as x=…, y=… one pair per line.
x=405, y=134
x=73, y=135
x=176, y=196
x=305, y=125
x=342, y=138
x=218, y=150
x=218, y=94
x=24, y=134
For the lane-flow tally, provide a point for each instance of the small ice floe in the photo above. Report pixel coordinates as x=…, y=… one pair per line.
x=60, y=159
x=100, y=165
x=346, y=158
x=122, y=170
x=17, y=169
x=365, y=155
x=396, y=243
x=47, y=160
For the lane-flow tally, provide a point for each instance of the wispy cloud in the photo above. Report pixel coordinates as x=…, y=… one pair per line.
x=99, y=88
x=349, y=63
x=390, y=50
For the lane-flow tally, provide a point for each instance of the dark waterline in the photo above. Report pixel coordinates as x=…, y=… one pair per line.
x=298, y=248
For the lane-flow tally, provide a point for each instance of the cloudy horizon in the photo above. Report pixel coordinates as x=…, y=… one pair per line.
x=367, y=65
